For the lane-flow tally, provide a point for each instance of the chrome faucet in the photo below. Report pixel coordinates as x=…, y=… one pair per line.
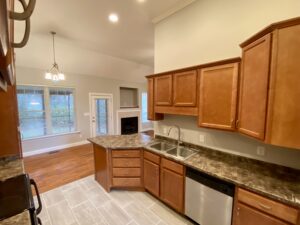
x=178, y=140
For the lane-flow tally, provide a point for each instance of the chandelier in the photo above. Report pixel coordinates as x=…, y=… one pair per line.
x=54, y=74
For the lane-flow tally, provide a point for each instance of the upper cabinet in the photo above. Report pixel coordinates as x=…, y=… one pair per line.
x=176, y=93
x=254, y=87
x=218, y=96
x=270, y=92
x=185, y=88
x=163, y=90
x=151, y=114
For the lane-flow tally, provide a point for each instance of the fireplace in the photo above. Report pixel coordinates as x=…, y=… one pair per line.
x=129, y=125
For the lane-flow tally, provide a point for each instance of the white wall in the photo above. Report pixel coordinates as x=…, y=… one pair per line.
x=83, y=85
x=212, y=30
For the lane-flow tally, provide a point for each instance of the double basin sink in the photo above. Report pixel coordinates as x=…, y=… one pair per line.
x=171, y=149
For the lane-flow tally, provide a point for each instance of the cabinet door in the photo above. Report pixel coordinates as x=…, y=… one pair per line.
x=163, y=90
x=185, y=88
x=151, y=177
x=254, y=88
x=150, y=96
x=172, y=189
x=248, y=216
x=218, y=96
x=284, y=118
x=151, y=114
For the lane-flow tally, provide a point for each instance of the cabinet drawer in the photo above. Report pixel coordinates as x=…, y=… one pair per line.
x=126, y=172
x=126, y=153
x=268, y=206
x=126, y=182
x=126, y=162
x=176, y=167
x=152, y=157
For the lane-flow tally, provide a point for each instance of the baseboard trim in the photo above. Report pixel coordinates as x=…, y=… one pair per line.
x=54, y=148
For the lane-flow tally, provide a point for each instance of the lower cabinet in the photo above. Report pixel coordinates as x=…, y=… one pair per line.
x=151, y=177
x=164, y=178
x=249, y=216
x=252, y=209
x=172, y=186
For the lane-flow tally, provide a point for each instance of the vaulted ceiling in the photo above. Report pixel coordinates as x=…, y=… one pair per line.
x=87, y=42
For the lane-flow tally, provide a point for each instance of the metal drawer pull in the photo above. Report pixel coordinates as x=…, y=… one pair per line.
x=27, y=11
x=265, y=206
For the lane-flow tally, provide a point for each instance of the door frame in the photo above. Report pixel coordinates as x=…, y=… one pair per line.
x=108, y=96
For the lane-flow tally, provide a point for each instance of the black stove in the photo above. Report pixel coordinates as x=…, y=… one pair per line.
x=16, y=197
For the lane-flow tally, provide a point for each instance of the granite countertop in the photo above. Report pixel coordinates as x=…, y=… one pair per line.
x=270, y=180
x=11, y=168
x=133, y=141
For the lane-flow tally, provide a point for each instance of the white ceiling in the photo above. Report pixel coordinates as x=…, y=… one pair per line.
x=86, y=41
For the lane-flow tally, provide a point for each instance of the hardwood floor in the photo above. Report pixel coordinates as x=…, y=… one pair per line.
x=51, y=170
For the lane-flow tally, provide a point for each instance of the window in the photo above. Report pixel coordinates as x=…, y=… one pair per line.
x=144, y=107
x=62, y=110
x=31, y=112
x=45, y=111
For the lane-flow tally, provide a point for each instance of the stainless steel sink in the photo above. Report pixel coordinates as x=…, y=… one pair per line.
x=181, y=152
x=163, y=146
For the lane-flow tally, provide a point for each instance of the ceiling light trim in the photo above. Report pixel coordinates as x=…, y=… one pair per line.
x=172, y=11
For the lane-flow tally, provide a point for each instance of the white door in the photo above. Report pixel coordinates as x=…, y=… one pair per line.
x=101, y=114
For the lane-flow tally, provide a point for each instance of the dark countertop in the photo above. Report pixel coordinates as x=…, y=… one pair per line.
x=8, y=169
x=270, y=180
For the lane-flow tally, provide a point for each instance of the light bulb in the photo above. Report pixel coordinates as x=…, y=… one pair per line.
x=48, y=76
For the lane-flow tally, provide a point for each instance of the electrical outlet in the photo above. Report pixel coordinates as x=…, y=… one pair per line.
x=261, y=151
x=202, y=138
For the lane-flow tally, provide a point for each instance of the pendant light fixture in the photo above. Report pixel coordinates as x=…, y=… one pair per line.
x=54, y=74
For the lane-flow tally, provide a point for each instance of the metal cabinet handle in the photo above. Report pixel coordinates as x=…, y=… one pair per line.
x=264, y=206
x=27, y=11
x=27, y=25
x=39, y=209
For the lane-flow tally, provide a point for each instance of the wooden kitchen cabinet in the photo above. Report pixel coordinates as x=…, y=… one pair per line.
x=218, y=96
x=151, y=113
x=185, y=88
x=254, y=88
x=152, y=172
x=151, y=177
x=172, y=184
x=163, y=90
x=249, y=216
x=270, y=82
x=251, y=209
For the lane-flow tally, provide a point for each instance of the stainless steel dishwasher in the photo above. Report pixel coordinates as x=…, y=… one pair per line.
x=208, y=200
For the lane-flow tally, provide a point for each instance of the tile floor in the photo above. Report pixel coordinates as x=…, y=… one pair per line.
x=84, y=202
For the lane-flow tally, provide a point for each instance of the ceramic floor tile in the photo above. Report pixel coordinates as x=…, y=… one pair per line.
x=53, y=197
x=121, y=197
x=167, y=215
x=61, y=214
x=113, y=214
x=143, y=198
x=141, y=215
x=75, y=196
x=86, y=214
x=44, y=216
x=85, y=202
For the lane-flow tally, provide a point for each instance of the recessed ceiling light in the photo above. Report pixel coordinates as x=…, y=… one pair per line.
x=113, y=17
x=141, y=1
